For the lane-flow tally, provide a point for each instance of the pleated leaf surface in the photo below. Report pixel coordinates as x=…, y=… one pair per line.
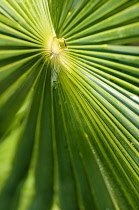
x=69, y=104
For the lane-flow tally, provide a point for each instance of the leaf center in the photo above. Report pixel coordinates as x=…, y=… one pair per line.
x=58, y=45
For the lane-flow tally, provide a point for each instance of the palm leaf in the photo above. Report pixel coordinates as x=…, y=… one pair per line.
x=69, y=107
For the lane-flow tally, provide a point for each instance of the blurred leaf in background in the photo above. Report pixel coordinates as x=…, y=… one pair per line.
x=69, y=104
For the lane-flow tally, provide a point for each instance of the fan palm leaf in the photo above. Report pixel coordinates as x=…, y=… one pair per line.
x=69, y=87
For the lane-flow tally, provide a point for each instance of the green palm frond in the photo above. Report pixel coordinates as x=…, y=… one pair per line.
x=69, y=104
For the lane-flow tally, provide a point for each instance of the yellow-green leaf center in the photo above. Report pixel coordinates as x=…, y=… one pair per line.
x=58, y=45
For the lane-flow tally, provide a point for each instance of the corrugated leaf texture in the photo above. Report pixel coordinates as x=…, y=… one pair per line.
x=69, y=107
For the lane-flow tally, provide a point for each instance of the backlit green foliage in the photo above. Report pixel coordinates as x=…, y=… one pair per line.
x=69, y=94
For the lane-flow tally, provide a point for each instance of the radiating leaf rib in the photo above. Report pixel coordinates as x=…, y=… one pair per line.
x=66, y=6
x=123, y=58
x=15, y=33
x=108, y=74
x=75, y=100
x=87, y=115
x=12, y=53
x=97, y=107
x=19, y=171
x=110, y=22
x=9, y=109
x=106, y=104
x=53, y=17
x=44, y=193
x=102, y=62
x=83, y=70
x=13, y=24
x=66, y=183
x=36, y=27
x=12, y=67
x=20, y=16
x=14, y=14
x=11, y=41
x=91, y=75
x=17, y=58
x=121, y=32
x=94, y=185
x=110, y=48
x=79, y=8
x=85, y=121
x=107, y=7
x=87, y=200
